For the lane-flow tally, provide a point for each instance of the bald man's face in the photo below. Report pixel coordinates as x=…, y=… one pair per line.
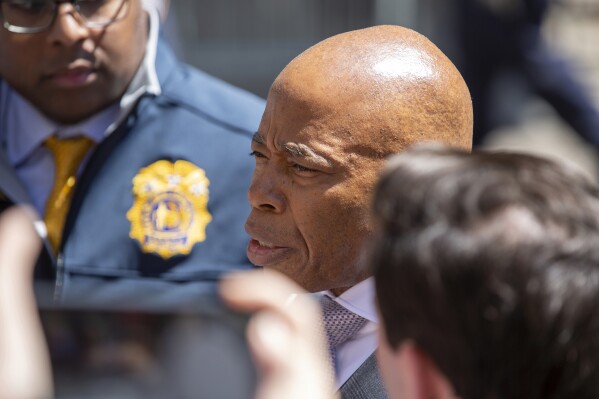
x=310, y=195
x=332, y=116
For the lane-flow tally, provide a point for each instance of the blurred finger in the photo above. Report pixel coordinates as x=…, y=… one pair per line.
x=270, y=290
x=24, y=361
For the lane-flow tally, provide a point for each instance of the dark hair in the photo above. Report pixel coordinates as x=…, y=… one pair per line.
x=489, y=262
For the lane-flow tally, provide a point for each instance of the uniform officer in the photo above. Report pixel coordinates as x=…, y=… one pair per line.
x=136, y=163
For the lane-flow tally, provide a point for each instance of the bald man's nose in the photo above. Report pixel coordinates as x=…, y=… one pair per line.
x=265, y=193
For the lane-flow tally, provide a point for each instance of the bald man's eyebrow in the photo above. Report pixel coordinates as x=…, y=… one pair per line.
x=302, y=151
x=297, y=151
x=258, y=139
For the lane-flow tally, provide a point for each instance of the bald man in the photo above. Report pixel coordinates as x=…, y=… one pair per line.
x=332, y=117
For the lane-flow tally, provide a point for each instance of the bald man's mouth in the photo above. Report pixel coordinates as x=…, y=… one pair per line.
x=265, y=253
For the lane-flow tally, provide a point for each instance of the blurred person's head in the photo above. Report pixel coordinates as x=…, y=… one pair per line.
x=487, y=276
x=71, y=64
x=332, y=116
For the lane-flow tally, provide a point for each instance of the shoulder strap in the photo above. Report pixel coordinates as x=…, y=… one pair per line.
x=10, y=185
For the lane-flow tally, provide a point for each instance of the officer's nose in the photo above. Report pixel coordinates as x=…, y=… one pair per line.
x=68, y=27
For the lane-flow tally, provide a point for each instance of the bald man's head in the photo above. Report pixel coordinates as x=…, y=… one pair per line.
x=332, y=116
x=388, y=82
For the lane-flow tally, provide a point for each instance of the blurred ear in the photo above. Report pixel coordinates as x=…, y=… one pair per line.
x=427, y=381
x=411, y=374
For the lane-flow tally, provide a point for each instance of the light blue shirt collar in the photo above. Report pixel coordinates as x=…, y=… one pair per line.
x=27, y=128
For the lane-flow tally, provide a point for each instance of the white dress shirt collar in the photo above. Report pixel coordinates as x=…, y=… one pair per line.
x=360, y=299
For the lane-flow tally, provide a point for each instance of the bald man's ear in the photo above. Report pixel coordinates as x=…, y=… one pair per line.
x=409, y=373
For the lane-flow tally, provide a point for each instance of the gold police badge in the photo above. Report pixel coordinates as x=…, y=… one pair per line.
x=169, y=213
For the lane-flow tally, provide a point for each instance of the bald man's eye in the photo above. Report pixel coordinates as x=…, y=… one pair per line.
x=257, y=154
x=302, y=170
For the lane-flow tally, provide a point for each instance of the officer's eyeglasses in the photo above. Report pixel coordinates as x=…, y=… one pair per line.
x=32, y=16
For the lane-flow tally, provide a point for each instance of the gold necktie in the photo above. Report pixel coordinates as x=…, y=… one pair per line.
x=68, y=154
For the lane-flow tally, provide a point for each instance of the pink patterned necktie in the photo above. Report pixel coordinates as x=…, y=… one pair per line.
x=340, y=324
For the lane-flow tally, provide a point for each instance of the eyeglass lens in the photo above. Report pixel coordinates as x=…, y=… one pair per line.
x=41, y=13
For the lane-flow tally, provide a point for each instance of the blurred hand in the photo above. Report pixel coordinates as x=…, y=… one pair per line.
x=24, y=361
x=284, y=335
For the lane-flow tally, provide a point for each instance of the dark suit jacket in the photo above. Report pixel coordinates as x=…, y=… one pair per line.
x=365, y=383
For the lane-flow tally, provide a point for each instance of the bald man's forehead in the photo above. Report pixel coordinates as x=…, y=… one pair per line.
x=387, y=82
x=360, y=128
x=342, y=82
x=333, y=141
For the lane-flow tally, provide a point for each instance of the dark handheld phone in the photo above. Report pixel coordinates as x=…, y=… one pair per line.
x=199, y=353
